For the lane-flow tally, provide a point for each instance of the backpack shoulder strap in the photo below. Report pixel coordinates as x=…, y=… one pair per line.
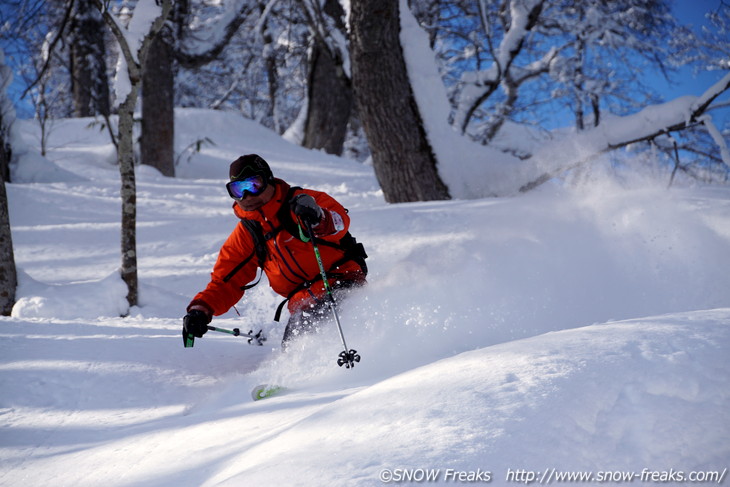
x=259, y=240
x=254, y=229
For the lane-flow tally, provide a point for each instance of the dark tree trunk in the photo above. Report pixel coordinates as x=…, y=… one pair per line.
x=8, y=275
x=89, y=81
x=157, y=143
x=404, y=162
x=596, y=105
x=330, y=98
x=272, y=77
x=5, y=149
x=330, y=103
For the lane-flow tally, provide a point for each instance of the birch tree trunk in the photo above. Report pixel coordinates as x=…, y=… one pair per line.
x=125, y=139
x=128, y=193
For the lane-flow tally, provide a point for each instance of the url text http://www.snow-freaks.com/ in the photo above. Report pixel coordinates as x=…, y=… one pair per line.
x=550, y=476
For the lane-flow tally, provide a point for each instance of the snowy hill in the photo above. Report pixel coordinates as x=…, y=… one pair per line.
x=519, y=339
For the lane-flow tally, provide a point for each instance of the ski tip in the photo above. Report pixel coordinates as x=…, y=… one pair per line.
x=263, y=391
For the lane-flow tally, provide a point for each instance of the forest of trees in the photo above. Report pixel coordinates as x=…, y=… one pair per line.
x=332, y=75
x=294, y=65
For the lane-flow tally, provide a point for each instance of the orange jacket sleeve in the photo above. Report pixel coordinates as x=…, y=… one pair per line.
x=236, y=266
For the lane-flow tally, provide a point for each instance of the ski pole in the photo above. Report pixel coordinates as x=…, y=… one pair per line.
x=348, y=357
x=259, y=337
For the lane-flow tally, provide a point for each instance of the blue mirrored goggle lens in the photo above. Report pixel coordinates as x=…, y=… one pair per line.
x=253, y=186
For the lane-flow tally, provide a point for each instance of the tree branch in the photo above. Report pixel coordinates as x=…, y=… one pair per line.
x=51, y=48
x=191, y=60
x=703, y=104
x=509, y=49
x=134, y=60
x=697, y=109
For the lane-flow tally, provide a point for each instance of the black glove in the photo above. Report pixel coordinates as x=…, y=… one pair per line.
x=304, y=206
x=196, y=323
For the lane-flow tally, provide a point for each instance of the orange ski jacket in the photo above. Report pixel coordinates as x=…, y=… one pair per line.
x=291, y=266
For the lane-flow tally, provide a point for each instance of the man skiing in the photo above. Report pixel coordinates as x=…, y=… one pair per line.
x=272, y=236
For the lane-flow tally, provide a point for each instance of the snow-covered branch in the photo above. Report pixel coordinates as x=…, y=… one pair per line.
x=704, y=101
x=479, y=86
x=146, y=21
x=206, y=44
x=134, y=40
x=649, y=123
x=706, y=120
x=326, y=25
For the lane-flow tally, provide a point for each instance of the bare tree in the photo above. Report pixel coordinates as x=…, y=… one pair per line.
x=329, y=89
x=157, y=139
x=8, y=275
x=404, y=161
x=33, y=37
x=135, y=53
x=174, y=44
x=89, y=81
x=502, y=62
x=681, y=121
x=517, y=21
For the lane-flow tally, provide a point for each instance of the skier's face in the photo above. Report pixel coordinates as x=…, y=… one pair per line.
x=252, y=203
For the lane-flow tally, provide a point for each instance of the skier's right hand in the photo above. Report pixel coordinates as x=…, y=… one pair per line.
x=196, y=322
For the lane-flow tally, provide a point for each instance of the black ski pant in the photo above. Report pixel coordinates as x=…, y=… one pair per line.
x=308, y=319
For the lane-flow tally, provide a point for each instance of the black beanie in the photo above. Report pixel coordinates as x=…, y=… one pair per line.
x=250, y=165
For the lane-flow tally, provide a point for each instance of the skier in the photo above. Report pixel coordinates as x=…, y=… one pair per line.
x=272, y=236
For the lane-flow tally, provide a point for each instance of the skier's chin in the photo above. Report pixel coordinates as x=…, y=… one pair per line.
x=250, y=203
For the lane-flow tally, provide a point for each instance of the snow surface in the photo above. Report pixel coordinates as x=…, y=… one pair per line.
x=576, y=329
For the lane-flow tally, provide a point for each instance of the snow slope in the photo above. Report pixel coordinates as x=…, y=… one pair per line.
x=567, y=330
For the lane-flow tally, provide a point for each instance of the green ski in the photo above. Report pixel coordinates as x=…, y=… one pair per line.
x=264, y=391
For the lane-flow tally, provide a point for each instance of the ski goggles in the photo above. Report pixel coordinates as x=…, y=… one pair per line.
x=252, y=186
